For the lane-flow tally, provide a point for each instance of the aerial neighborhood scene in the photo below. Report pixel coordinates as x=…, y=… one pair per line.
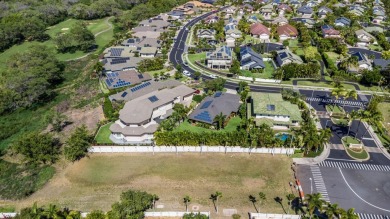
x=170, y=109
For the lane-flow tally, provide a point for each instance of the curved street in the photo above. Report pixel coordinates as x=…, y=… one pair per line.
x=363, y=185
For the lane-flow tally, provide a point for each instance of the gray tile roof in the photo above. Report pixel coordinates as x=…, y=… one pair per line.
x=212, y=106
x=125, y=78
x=119, y=64
x=221, y=53
x=305, y=10
x=382, y=63
x=142, y=42
x=250, y=58
x=143, y=89
x=140, y=109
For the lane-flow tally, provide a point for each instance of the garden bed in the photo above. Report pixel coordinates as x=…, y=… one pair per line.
x=355, y=153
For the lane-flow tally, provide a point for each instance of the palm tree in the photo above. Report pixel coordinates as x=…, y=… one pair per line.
x=215, y=197
x=314, y=202
x=290, y=198
x=155, y=198
x=262, y=197
x=186, y=200
x=220, y=120
x=350, y=94
x=332, y=210
x=253, y=200
x=337, y=92
x=352, y=116
x=52, y=212
x=350, y=214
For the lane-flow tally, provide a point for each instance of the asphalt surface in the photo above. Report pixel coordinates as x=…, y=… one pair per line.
x=361, y=185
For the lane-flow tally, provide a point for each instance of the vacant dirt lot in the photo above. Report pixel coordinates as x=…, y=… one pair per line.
x=96, y=182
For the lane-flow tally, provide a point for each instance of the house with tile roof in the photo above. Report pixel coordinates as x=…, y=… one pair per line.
x=305, y=11
x=283, y=8
x=120, y=64
x=250, y=59
x=364, y=38
x=221, y=58
x=323, y=11
x=119, y=79
x=280, y=21
x=357, y=9
x=287, y=32
x=267, y=11
x=260, y=31
x=231, y=34
x=342, y=22
x=211, y=106
x=208, y=34
x=363, y=63
x=329, y=32
x=139, y=118
x=142, y=42
x=382, y=64
x=285, y=56
x=271, y=109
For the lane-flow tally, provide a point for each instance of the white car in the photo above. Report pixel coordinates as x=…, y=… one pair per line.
x=212, y=76
x=186, y=73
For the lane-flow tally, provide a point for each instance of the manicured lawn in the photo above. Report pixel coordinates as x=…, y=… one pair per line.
x=196, y=57
x=354, y=153
x=97, y=181
x=95, y=26
x=384, y=108
x=231, y=126
x=103, y=136
x=334, y=56
x=375, y=47
x=267, y=72
x=334, y=109
x=293, y=43
x=323, y=84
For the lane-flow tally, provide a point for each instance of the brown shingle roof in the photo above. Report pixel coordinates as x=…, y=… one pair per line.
x=258, y=29
x=288, y=30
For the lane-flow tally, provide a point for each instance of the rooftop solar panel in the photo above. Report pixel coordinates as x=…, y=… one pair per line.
x=206, y=104
x=124, y=94
x=140, y=76
x=153, y=99
x=218, y=94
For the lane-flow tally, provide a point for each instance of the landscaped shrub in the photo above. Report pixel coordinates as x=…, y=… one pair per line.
x=198, y=98
x=108, y=109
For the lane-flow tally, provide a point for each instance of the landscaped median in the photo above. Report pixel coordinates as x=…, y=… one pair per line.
x=338, y=115
x=355, y=148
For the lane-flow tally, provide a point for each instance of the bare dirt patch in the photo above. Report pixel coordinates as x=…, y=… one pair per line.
x=96, y=182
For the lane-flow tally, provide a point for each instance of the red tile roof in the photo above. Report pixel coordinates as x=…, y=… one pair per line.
x=258, y=29
x=288, y=30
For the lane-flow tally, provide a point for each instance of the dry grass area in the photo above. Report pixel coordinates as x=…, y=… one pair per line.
x=96, y=182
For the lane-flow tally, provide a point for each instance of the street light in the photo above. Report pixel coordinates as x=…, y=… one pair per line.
x=311, y=185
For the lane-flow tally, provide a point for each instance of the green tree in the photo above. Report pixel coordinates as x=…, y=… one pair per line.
x=192, y=215
x=220, y=120
x=215, y=197
x=386, y=54
x=310, y=53
x=78, y=38
x=97, y=214
x=57, y=120
x=290, y=197
x=78, y=144
x=262, y=197
x=235, y=68
x=186, y=200
x=371, y=77
x=132, y=205
x=314, y=202
x=38, y=148
x=197, y=75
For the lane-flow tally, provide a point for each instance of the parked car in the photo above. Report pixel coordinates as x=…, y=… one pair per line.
x=212, y=76
x=186, y=73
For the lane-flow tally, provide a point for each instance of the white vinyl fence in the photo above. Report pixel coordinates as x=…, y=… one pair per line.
x=161, y=214
x=193, y=149
x=273, y=216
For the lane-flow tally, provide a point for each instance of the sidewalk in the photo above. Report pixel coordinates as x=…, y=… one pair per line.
x=376, y=140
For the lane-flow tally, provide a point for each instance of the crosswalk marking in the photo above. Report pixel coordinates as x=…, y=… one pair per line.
x=372, y=216
x=331, y=101
x=319, y=182
x=353, y=165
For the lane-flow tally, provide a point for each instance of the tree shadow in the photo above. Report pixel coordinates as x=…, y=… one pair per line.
x=280, y=201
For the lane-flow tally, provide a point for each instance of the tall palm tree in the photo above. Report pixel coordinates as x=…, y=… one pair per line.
x=290, y=197
x=262, y=197
x=332, y=210
x=52, y=212
x=352, y=116
x=220, y=120
x=314, y=202
x=349, y=94
x=215, y=197
x=186, y=200
x=253, y=200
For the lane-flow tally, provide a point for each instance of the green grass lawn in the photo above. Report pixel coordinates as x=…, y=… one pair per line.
x=323, y=84
x=375, y=47
x=362, y=154
x=334, y=109
x=384, y=108
x=196, y=57
x=293, y=43
x=103, y=135
x=96, y=182
x=95, y=26
x=334, y=56
x=231, y=126
x=350, y=140
x=266, y=74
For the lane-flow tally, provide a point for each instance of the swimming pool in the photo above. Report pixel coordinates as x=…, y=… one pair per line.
x=283, y=136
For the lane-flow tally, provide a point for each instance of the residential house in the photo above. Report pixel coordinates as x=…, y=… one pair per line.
x=364, y=38
x=231, y=34
x=176, y=15
x=139, y=118
x=305, y=11
x=211, y=19
x=342, y=22
x=253, y=19
x=260, y=31
x=221, y=58
x=323, y=11
x=379, y=14
x=142, y=42
x=119, y=79
x=312, y=4
x=208, y=34
x=276, y=2
x=147, y=52
x=267, y=11
x=357, y=10
x=211, y=106
x=285, y=56
x=295, y=3
x=246, y=8
x=283, y=8
x=287, y=32
x=147, y=34
x=230, y=10
x=198, y=4
x=308, y=22
x=382, y=64
x=271, y=109
x=363, y=63
x=120, y=64
x=156, y=23
x=329, y=32
x=280, y=21
x=250, y=59
x=118, y=52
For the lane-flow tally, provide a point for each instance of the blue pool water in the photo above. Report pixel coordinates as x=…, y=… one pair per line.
x=283, y=136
